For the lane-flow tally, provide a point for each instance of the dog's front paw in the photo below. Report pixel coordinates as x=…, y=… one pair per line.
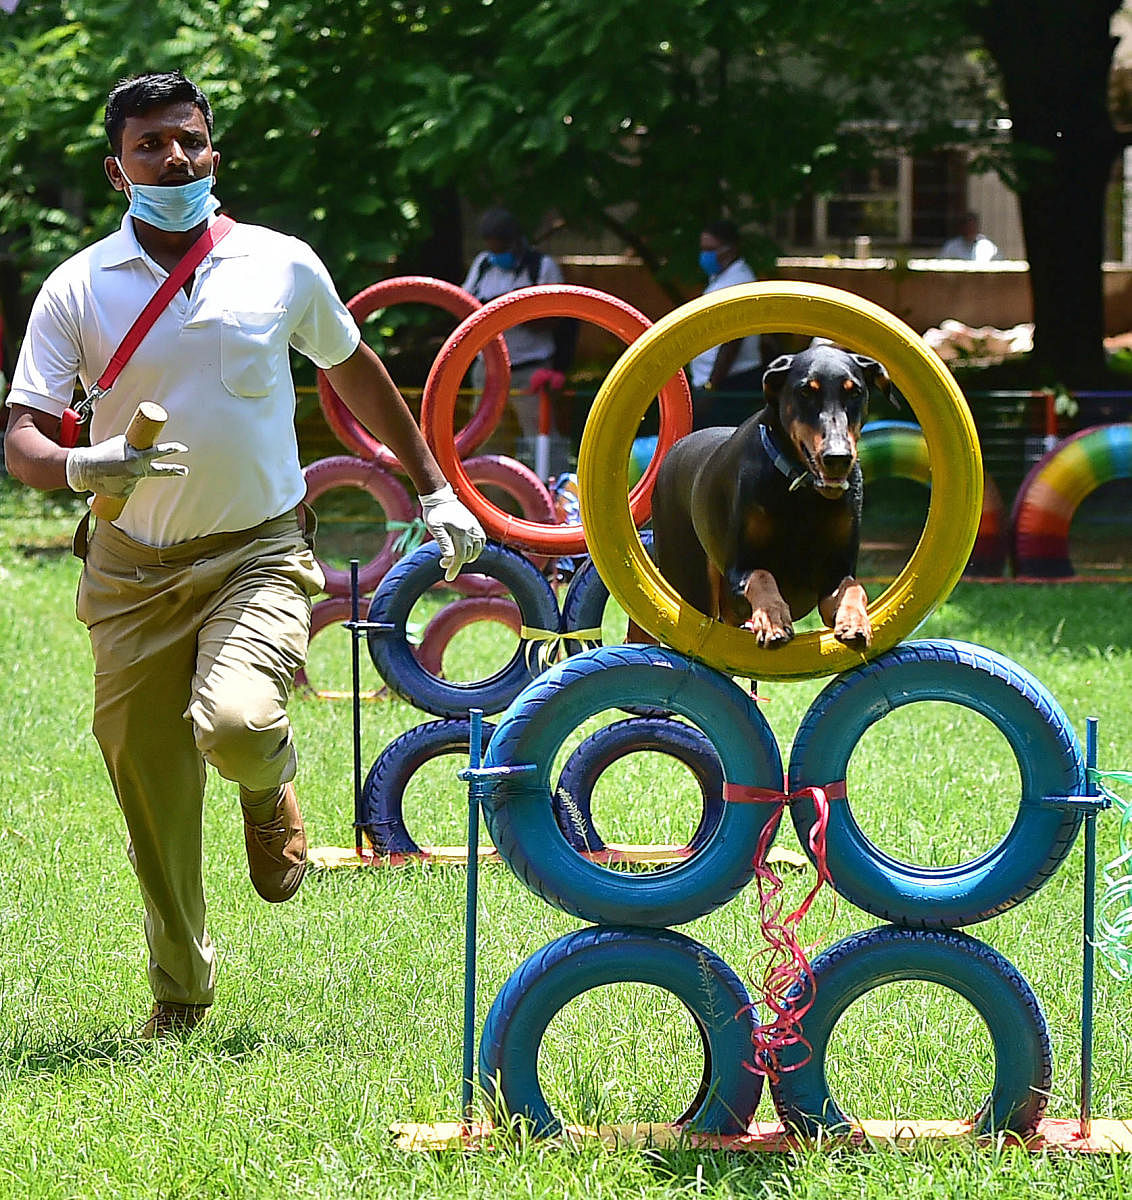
x=853, y=628
x=854, y=637
x=771, y=629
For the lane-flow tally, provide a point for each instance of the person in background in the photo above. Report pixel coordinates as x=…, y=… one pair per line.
x=969, y=244
x=509, y=262
x=197, y=596
x=727, y=379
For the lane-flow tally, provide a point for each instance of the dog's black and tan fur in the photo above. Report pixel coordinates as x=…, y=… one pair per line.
x=758, y=528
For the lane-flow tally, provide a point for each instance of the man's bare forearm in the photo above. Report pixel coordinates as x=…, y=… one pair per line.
x=31, y=453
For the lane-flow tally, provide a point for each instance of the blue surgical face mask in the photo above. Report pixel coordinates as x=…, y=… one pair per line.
x=709, y=262
x=505, y=261
x=176, y=209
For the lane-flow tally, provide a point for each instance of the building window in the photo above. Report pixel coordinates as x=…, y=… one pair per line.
x=897, y=201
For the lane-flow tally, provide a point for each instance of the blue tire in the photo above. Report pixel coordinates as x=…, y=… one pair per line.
x=584, y=604
x=588, y=958
x=393, y=657
x=573, y=798
x=520, y=815
x=1039, y=734
x=383, y=793
x=842, y=974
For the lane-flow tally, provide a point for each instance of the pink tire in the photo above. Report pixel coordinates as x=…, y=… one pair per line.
x=535, y=502
x=335, y=610
x=458, y=615
x=344, y=471
x=419, y=289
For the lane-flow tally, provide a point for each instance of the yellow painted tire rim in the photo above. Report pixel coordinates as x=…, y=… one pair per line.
x=642, y=370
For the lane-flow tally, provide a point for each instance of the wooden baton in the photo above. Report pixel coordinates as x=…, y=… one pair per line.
x=141, y=433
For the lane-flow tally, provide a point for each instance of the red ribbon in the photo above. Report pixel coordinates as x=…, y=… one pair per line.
x=787, y=967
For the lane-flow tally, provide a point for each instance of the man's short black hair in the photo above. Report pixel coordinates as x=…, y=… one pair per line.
x=500, y=224
x=142, y=93
x=724, y=231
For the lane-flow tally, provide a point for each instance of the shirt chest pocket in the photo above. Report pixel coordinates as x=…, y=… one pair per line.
x=250, y=351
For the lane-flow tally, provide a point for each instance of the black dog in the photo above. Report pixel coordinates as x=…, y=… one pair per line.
x=758, y=525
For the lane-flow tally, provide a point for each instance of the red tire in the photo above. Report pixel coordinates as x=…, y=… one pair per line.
x=420, y=289
x=457, y=615
x=344, y=471
x=477, y=331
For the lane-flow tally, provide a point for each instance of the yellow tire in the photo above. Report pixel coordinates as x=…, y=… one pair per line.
x=940, y=407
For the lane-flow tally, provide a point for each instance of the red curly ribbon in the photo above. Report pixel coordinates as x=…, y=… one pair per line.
x=788, y=987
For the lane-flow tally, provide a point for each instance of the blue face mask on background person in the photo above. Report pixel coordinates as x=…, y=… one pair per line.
x=175, y=209
x=709, y=262
x=505, y=261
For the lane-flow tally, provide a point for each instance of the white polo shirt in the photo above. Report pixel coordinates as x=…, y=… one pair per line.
x=526, y=343
x=749, y=354
x=217, y=361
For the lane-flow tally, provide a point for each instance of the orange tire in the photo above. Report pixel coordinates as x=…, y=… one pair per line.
x=474, y=333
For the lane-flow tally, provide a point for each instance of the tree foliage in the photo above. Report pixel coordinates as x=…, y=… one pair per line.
x=300, y=96
x=360, y=124
x=342, y=120
x=652, y=118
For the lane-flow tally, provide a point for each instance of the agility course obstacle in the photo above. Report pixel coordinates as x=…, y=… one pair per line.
x=617, y=551
x=898, y=449
x=542, y=828
x=631, y=939
x=1052, y=491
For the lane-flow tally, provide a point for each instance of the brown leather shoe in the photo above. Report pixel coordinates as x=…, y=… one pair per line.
x=277, y=850
x=172, y=1020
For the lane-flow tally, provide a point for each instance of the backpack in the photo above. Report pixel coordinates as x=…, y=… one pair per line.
x=565, y=332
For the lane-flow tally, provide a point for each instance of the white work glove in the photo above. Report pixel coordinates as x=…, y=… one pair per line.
x=113, y=467
x=457, y=532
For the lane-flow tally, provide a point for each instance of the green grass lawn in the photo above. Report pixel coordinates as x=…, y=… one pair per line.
x=340, y=1013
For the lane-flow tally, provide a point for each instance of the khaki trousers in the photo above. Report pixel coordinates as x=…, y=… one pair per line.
x=195, y=647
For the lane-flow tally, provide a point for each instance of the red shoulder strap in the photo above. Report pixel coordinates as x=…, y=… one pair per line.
x=143, y=323
x=176, y=279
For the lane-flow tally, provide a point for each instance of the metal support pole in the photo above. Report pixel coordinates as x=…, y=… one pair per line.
x=475, y=751
x=542, y=439
x=1088, y=929
x=356, y=633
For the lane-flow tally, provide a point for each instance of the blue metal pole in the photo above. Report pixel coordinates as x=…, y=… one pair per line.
x=1088, y=929
x=355, y=633
x=474, y=760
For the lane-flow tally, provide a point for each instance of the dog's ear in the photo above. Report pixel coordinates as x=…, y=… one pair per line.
x=775, y=376
x=876, y=377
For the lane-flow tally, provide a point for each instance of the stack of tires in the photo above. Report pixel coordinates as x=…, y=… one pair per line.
x=924, y=909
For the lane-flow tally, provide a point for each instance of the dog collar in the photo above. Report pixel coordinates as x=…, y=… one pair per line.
x=798, y=478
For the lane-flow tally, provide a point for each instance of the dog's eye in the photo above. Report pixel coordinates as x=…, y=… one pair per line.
x=814, y=385
x=848, y=385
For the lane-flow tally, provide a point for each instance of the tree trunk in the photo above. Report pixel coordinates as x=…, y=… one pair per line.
x=1054, y=59
x=441, y=253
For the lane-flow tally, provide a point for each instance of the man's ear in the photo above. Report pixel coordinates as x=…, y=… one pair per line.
x=775, y=376
x=114, y=173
